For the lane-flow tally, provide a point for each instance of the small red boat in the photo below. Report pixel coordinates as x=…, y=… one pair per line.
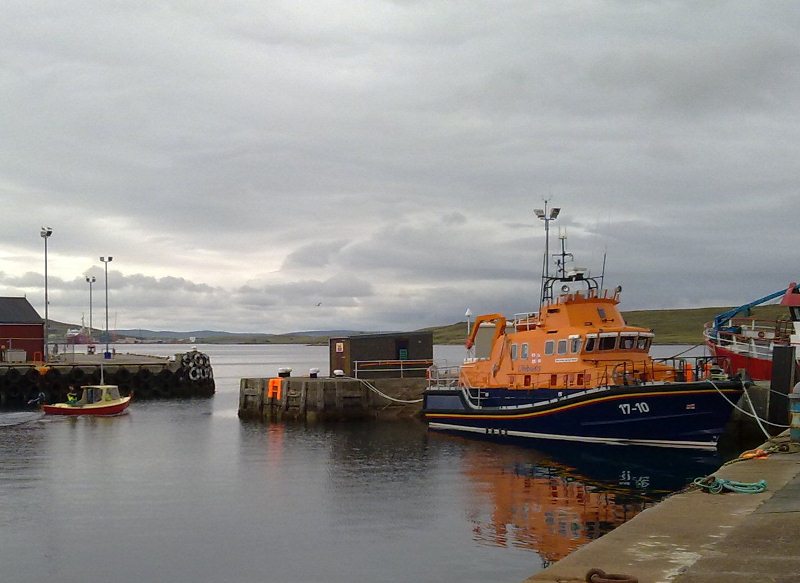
x=747, y=342
x=95, y=400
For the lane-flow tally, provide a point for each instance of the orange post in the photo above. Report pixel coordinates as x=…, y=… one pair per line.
x=688, y=372
x=274, y=388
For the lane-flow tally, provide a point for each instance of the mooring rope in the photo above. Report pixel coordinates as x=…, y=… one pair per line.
x=372, y=388
x=714, y=485
x=758, y=419
x=600, y=576
x=777, y=444
x=685, y=351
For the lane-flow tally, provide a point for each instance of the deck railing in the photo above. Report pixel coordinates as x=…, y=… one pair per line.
x=750, y=336
x=674, y=369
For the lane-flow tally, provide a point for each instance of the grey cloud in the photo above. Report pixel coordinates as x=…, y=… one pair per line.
x=245, y=161
x=317, y=254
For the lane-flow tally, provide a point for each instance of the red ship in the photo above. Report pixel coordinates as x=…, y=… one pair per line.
x=747, y=342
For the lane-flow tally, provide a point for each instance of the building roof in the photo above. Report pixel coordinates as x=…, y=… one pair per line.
x=400, y=335
x=18, y=311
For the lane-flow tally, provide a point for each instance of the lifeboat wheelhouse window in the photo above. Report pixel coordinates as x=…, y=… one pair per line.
x=608, y=342
x=513, y=352
x=524, y=351
x=548, y=347
x=627, y=342
x=591, y=341
x=562, y=346
x=644, y=343
x=602, y=313
x=575, y=345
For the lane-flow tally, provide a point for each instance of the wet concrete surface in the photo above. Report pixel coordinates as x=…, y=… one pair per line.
x=694, y=536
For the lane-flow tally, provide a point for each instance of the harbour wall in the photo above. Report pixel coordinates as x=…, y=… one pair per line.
x=146, y=377
x=333, y=398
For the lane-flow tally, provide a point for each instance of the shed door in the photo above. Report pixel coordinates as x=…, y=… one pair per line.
x=401, y=349
x=341, y=357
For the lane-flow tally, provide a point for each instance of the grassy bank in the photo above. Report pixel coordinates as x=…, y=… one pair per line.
x=670, y=326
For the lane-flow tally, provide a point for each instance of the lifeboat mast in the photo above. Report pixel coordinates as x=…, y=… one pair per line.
x=576, y=274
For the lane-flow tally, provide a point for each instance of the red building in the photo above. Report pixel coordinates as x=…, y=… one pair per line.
x=21, y=328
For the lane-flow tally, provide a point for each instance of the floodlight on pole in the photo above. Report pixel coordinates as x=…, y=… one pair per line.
x=106, y=261
x=543, y=215
x=90, y=279
x=45, y=234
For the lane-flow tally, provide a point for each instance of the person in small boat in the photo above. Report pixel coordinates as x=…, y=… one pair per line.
x=72, y=397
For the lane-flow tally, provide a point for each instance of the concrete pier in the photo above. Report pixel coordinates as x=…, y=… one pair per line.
x=310, y=399
x=696, y=537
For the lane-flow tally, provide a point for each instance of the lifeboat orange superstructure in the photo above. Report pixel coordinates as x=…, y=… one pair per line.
x=579, y=341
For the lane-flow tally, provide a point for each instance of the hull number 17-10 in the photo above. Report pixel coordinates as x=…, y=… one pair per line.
x=628, y=408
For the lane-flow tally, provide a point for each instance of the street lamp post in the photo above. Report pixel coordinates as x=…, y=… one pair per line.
x=546, y=217
x=45, y=233
x=106, y=261
x=90, y=279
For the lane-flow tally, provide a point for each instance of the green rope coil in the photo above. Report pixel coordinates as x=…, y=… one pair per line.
x=714, y=485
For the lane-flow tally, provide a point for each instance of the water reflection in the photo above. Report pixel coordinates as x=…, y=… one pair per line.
x=555, y=499
x=183, y=491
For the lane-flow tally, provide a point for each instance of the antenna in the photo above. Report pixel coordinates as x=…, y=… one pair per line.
x=603, y=272
x=561, y=261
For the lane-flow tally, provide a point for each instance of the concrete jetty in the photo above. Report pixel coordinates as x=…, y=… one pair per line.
x=332, y=398
x=694, y=536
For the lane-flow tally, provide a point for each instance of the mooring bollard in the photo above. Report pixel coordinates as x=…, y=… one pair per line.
x=794, y=408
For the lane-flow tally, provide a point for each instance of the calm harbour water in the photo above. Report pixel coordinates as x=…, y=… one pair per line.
x=183, y=491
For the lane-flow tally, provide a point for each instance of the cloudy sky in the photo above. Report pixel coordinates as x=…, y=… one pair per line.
x=273, y=166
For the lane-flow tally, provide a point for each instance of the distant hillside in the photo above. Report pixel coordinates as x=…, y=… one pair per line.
x=670, y=326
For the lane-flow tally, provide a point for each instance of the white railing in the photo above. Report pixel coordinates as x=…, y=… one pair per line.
x=391, y=368
x=443, y=376
x=755, y=338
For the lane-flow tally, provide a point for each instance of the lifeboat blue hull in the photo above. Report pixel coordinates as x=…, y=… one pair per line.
x=691, y=415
